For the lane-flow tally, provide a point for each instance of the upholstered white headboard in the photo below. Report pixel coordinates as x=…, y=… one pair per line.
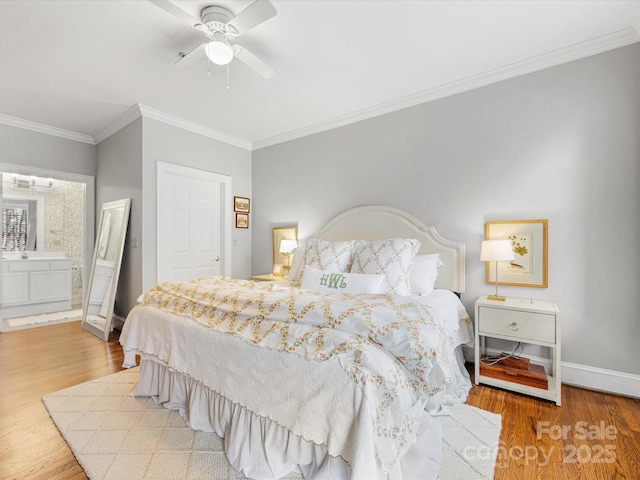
x=377, y=222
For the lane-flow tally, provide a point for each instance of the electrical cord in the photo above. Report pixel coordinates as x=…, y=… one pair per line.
x=492, y=360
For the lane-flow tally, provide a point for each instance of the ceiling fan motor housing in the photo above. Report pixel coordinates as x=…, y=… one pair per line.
x=215, y=20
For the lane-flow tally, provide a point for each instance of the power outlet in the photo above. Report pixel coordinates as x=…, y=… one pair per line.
x=134, y=242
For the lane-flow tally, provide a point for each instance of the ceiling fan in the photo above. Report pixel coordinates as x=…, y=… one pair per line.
x=220, y=27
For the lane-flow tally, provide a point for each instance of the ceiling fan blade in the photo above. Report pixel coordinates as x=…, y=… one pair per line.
x=177, y=12
x=256, y=13
x=195, y=55
x=249, y=59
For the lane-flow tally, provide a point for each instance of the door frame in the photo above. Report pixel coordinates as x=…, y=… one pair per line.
x=226, y=204
x=89, y=209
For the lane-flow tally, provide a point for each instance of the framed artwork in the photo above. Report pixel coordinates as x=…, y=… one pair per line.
x=279, y=234
x=242, y=220
x=529, y=241
x=241, y=204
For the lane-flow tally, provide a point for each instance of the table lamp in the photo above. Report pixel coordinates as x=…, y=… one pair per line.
x=286, y=247
x=496, y=251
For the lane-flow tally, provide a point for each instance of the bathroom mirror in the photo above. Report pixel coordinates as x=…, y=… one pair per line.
x=22, y=222
x=102, y=283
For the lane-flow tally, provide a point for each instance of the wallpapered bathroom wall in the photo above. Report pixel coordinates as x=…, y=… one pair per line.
x=64, y=205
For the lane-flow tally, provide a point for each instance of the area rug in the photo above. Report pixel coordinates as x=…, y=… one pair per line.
x=114, y=435
x=19, y=323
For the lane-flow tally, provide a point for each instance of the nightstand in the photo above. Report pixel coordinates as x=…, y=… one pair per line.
x=266, y=278
x=519, y=320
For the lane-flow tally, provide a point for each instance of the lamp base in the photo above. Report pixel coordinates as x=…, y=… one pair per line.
x=496, y=298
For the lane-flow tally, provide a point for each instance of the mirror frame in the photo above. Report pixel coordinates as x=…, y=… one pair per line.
x=104, y=334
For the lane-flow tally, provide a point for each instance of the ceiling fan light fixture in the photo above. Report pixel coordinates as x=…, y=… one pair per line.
x=218, y=52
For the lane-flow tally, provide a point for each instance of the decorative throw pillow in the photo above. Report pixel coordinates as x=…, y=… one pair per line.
x=329, y=256
x=340, y=282
x=424, y=273
x=392, y=257
x=297, y=263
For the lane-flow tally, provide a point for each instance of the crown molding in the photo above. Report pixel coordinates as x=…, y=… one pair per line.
x=621, y=38
x=193, y=127
x=140, y=110
x=119, y=123
x=46, y=129
x=133, y=113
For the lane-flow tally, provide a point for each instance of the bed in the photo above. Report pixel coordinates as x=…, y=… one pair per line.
x=342, y=371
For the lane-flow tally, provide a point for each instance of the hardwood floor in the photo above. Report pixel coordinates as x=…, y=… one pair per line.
x=592, y=436
x=35, y=362
x=42, y=360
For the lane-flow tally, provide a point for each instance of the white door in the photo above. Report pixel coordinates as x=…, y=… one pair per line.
x=194, y=234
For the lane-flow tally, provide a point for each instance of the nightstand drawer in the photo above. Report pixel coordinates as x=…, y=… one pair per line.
x=537, y=327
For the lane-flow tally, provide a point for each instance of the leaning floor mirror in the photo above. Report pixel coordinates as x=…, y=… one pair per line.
x=102, y=283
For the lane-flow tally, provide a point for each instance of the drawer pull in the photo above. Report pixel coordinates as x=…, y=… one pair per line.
x=514, y=326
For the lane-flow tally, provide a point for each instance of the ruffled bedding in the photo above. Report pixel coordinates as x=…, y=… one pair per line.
x=346, y=378
x=259, y=448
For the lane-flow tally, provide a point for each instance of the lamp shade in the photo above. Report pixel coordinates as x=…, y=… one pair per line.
x=287, y=245
x=218, y=52
x=496, y=251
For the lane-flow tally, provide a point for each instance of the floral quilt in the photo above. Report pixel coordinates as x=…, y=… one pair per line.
x=392, y=346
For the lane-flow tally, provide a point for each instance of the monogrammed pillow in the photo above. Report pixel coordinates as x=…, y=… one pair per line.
x=339, y=282
x=392, y=258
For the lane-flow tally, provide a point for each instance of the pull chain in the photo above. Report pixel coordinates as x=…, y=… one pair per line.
x=209, y=72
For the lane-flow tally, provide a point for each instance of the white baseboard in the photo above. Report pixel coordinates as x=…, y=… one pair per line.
x=117, y=322
x=595, y=378
x=584, y=376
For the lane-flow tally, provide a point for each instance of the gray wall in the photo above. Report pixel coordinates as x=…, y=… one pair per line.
x=127, y=169
x=27, y=148
x=162, y=142
x=119, y=174
x=560, y=144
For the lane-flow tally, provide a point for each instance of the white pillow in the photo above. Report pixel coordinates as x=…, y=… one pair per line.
x=392, y=257
x=424, y=273
x=340, y=282
x=324, y=255
x=297, y=262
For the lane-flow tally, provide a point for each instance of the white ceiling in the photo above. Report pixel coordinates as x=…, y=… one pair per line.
x=83, y=66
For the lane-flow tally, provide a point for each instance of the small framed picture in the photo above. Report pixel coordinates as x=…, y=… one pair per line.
x=277, y=270
x=241, y=204
x=242, y=220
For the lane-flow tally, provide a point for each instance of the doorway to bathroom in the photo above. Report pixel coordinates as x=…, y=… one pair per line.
x=47, y=236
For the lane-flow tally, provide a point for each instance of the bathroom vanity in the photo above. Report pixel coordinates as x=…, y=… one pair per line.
x=40, y=283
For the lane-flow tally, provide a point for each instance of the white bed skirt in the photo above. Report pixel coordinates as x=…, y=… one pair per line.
x=258, y=447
